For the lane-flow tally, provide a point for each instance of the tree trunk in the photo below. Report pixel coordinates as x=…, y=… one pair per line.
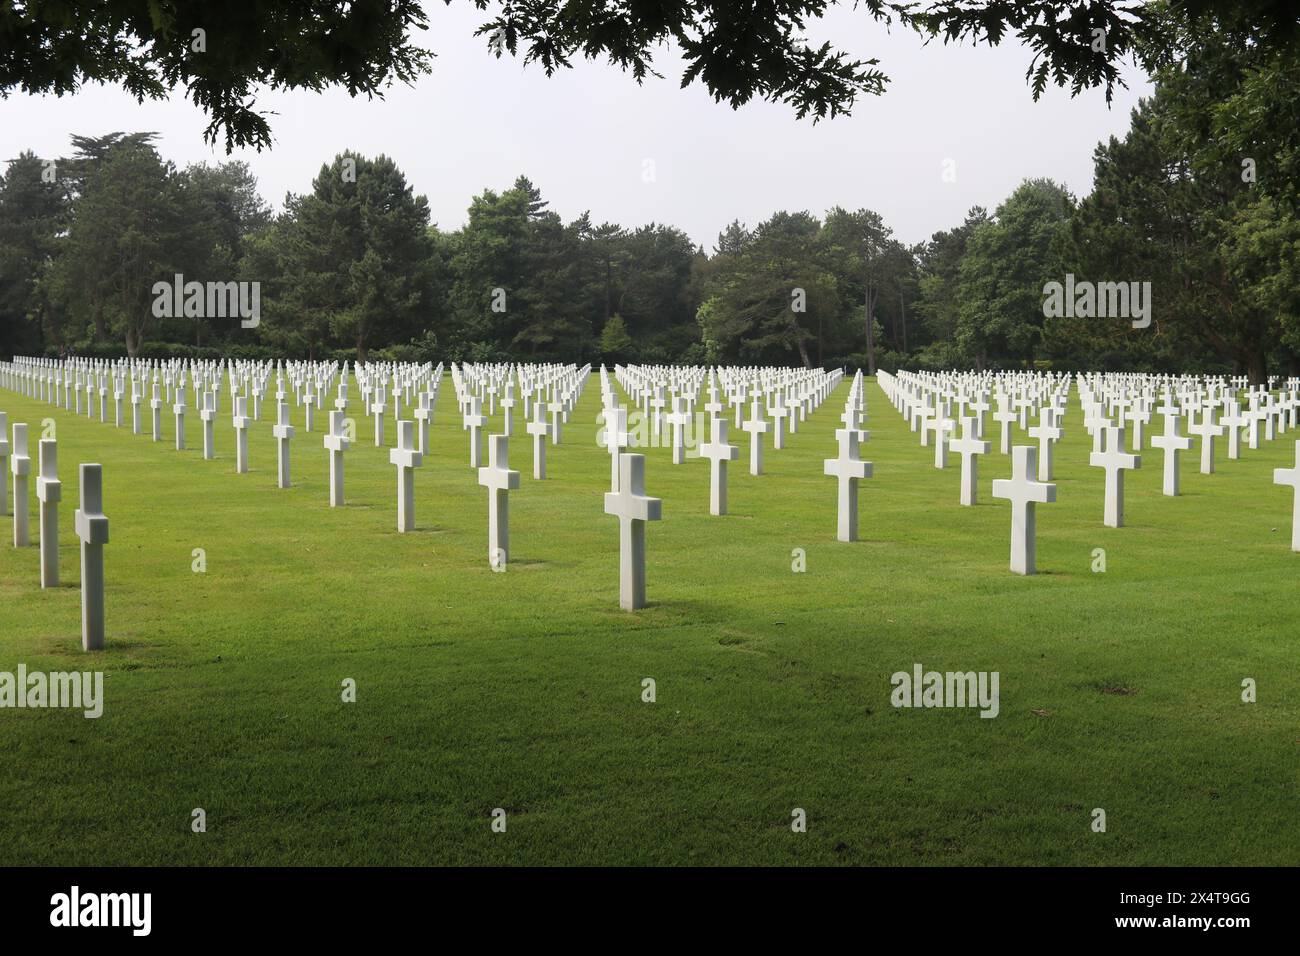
x=902, y=315
x=361, y=348
x=1257, y=367
x=803, y=352
x=867, y=322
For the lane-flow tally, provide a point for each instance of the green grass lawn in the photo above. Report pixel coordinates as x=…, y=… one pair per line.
x=522, y=689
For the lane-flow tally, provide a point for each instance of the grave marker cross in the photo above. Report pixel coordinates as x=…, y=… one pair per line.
x=757, y=426
x=1172, y=443
x=1024, y=494
x=49, y=491
x=336, y=443
x=633, y=508
x=969, y=447
x=538, y=428
x=20, y=466
x=1291, y=476
x=283, y=433
x=499, y=480
x=1115, y=461
x=407, y=459
x=848, y=468
x=719, y=453
x=92, y=529
x=1208, y=431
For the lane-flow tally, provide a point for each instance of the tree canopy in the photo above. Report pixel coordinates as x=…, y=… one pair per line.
x=222, y=51
x=354, y=269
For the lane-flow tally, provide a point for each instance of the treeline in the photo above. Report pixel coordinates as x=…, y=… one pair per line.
x=354, y=269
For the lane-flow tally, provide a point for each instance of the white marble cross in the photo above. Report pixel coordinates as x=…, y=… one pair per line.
x=1208, y=431
x=539, y=429
x=1291, y=476
x=4, y=464
x=970, y=447
x=1048, y=433
x=679, y=418
x=780, y=413
x=719, y=453
x=377, y=408
x=20, y=466
x=1172, y=443
x=979, y=406
x=407, y=458
x=178, y=409
x=941, y=425
x=848, y=468
x=156, y=404
x=1004, y=416
x=283, y=433
x=208, y=415
x=633, y=509
x=1232, y=421
x=92, y=529
x=49, y=491
x=1254, y=415
x=757, y=426
x=423, y=419
x=508, y=409
x=336, y=442
x=241, y=422
x=658, y=401
x=713, y=407
x=499, y=480
x=557, y=421
x=616, y=439
x=1096, y=422
x=1138, y=416
x=850, y=418
x=1024, y=494
x=1115, y=461
x=475, y=421
x=135, y=408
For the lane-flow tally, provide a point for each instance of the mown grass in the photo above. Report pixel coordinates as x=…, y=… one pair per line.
x=522, y=689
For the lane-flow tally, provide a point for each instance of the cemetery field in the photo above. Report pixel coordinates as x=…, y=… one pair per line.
x=1120, y=689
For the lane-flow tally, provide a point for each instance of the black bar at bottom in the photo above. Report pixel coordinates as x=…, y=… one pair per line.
x=218, y=905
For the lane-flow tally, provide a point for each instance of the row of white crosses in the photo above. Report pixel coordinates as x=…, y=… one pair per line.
x=496, y=476
x=563, y=383
x=848, y=468
x=41, y=380
x=552, y=387
x=925, y=398
x=412, y=442
x=627, y=499
x=310, y=382
x=753, y=395
x=89, y=520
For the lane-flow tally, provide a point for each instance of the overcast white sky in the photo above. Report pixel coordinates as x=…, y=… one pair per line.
x=586, y=135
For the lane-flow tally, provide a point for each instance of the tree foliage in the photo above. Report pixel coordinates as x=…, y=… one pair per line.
x=222, y=52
